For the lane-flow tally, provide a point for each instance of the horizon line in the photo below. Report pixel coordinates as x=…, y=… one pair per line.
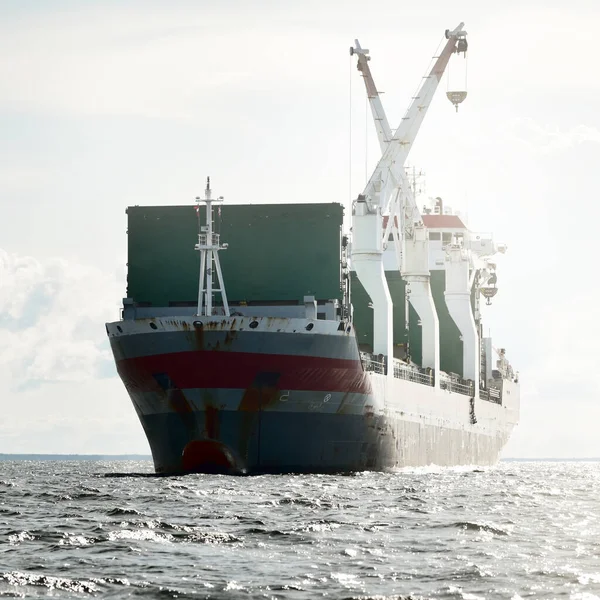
x=100, y=455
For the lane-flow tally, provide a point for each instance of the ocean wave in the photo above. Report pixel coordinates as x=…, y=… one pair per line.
x=486, y=527
x=441, y=469
x=269, y=532
x=319, y=527
x=140, y=535
x=314, y=503
x=118, y=512
x=17, y=538
x=386, y=597
x=76, y=540
x=18, y=578
x=209, y=537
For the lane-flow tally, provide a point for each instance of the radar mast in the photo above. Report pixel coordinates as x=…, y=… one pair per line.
x=209, y=246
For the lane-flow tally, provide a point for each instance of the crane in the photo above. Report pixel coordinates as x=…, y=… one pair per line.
x=388, y=192
x=395, y=146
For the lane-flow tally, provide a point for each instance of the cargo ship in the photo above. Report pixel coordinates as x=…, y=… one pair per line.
x=304, y=345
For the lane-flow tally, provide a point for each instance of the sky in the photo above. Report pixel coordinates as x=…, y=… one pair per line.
x=114, y=103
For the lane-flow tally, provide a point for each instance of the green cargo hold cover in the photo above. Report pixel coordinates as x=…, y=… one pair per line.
x=277, y=252
x=451, y=346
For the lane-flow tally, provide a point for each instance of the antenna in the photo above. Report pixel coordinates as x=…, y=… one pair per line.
x=209, y=246
x=416, y=181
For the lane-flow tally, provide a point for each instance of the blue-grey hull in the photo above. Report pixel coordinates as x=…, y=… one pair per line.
x=320, y=443
x=273, y=442
x=276, y=400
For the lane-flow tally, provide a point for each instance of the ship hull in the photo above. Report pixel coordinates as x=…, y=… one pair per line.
x=223, y=397
x=316, y=443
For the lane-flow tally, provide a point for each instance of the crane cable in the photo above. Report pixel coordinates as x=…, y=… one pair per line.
x=366, y=137
x=429, y=67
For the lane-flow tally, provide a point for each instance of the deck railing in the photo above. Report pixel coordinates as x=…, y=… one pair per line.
x=371, y=362
x=404, y=371
x=377, y=364
x=208, y=240
x=456, y=384
x=452, y=383
x=492, y=394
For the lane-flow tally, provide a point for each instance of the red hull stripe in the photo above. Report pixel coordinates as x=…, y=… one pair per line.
x=240, y=370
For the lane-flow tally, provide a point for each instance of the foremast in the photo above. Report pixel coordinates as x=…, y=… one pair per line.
x=388, y=192
x=209, y=246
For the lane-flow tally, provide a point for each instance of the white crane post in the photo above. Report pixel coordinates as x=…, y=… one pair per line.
x=367, y=254
x=458, y=301
x=415, y=271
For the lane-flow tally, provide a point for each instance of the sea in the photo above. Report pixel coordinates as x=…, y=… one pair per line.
x=107, y=528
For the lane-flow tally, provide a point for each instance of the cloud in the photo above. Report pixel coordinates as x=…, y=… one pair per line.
x=547, y=139
x=52, y=315
x=58, y=384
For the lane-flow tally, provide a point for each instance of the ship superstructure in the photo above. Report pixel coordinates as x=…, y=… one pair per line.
x=328, y=352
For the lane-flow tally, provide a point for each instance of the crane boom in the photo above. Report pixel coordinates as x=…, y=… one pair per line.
x=384, y=132
x=391, y=164
x=411, y=123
